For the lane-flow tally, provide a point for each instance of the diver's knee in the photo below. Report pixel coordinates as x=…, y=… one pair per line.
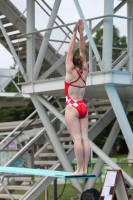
x=77, y=139
x=85, y=139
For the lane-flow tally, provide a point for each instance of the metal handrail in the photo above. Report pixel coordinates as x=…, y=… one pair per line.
x=32, y=114
x=65, y=25
x=17, y=128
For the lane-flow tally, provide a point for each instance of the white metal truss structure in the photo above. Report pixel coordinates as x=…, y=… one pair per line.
x=109, y=91
x=11, y=99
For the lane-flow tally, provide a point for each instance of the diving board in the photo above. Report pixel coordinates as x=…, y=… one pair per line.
x=42, y=172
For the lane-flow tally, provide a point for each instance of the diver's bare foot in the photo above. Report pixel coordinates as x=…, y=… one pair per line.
x=77, y=173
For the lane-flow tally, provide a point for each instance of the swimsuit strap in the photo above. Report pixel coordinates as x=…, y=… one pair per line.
x=75, y=80
x=80, y=76
x=71, y=84
x=78, y=86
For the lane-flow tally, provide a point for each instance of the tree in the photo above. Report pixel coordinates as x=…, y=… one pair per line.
x=118, y=42
x=120, y=143
x=16, y=113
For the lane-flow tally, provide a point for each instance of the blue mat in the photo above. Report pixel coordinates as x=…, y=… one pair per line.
x=41, y=172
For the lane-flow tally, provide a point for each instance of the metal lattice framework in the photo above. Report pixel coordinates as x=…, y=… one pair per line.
x=40, y=55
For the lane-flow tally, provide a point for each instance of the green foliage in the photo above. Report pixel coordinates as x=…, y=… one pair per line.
x=16, y=113
x=14, y=65
x=118, y=42
x=11, y=87
x=98, y=39
x=130, y=118
x=102, y=137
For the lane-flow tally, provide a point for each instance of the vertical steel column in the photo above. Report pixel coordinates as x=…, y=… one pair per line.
x=30, y=27
x=46, y=39
x=90, y=51
x=120, y=115
x=89, y=35
x=107, y=147
x=55, y=140
x=129, y=65
x=55, y=189
x=108, y=34
x=130, y=35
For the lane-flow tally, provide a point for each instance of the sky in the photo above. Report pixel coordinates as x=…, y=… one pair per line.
x=67, y=12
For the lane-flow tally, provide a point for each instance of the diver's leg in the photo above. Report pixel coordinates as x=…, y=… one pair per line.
x=73, y=126
x=85, y=142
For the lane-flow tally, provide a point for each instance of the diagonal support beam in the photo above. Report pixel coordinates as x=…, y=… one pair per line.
x=122, y=62
x=7, y=191
x=120, y=115
x=54, y=67
x=55, y=140
x=107, y=160
x=13, y=51
x=50, y=107
x=45, y=41
x=107, y=147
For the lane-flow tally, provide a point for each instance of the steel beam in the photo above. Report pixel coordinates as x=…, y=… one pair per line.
x=107, y=148
x=30, y=26
x=54, y=140
x=19, y=22
x=107, y=160
x=122, y=62
x=108, y=34
x=62, y=59
x=41, y=185
x=90, y=51
x=121, y=116
x=15, y=130
x=50, y=107
x=15, y=18
x=130, y=35
x=13, y=51
x=45, y=41
x=100, y=63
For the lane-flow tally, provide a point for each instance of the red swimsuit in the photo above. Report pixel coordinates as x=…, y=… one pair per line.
x=78, y=104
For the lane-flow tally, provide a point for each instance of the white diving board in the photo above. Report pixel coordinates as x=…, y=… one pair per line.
x=42, y=172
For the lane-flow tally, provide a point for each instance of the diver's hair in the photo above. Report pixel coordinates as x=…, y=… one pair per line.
x=77, y=61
